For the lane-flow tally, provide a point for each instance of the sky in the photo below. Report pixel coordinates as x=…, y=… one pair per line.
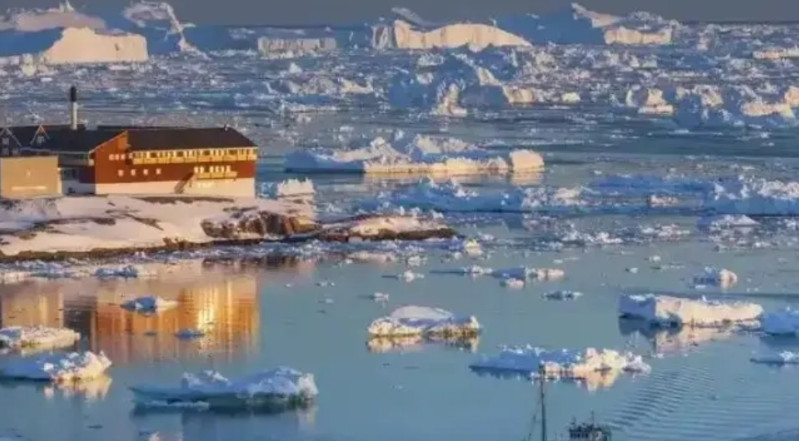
x=294, y=12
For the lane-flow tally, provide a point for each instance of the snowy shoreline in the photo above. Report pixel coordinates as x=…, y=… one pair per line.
x=102, y=227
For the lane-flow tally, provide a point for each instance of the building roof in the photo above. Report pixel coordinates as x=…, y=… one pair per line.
x=25, y=134
x=186, y=138
x=62, y=139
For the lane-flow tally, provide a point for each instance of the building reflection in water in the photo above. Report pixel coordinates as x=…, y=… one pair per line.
x=220, y=298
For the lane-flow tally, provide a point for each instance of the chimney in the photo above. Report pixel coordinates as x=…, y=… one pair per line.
x=73, y=108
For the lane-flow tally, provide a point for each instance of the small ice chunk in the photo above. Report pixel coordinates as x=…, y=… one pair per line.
x=42, y=337
x=513, y=283
x=526, y=273
x=560, y=362
x=784, y=322
x=190, y=333
x=727, y=221
x=674, y=311
x=380, y=297
x=471, y=247
x=149, y=304
x=563, y=295
x=408, y=276
x=722, y=278
x=59, y=367
x=424, y=321
x=632, y=270
x=128, y=271
x=784, y=357
x=282, y=388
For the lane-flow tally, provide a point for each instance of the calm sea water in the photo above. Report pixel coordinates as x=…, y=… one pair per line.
x=269, y=312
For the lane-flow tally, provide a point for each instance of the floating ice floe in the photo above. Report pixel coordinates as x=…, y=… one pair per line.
x=380, y=297
x=674, y=311
x=563, y=295
x=784, y=322
x=727, y=221
x=37, y=337
x=453, y=197
x=149, y=304
x=560, y=363
x=290, y=188
x=407, y=276
x=433, y=323
x=754, y=197
x=59, y=367
x=781, y=358
x=128, y=271
x=528, y=273
x=422, y=155
x=277, y=389
x=722, y=278
x=513, y=283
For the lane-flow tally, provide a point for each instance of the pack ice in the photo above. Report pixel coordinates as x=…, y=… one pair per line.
x=674, y=311
x=424, y=321
x=423, y=154
x=58, y=367
x=566, y=363
x=37, y=337
x=276, y=389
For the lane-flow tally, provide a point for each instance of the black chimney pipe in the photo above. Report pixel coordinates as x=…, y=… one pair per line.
x=73, y=94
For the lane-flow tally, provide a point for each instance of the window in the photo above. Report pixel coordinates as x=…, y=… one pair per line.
x=40, y=139
x=133, y=172
x=158, y=171
x=120, y=173
x=145, y=172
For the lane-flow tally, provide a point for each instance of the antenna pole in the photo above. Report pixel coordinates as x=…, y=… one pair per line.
x=541, y=380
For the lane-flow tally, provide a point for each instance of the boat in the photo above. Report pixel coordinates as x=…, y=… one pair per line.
x=585, y=431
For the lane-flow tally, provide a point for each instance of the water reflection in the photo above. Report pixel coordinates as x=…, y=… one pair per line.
x=223, y=302
x=415, y=343
x=672, y=340
x=204, y=426
x=591, y=381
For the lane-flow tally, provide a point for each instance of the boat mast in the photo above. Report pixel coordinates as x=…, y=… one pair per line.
x=541, y=380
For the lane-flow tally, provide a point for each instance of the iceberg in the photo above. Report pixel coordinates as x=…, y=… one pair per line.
x=432, y=323
x=37, y=337
x=563, y=295
x=73, y=366
x=149, y=304
x=476, y=36
x=422, y=155
x=578, y=25
x=727, y=221
x=559, y=363
x=674, y=311
x=722, y=278
x=784, y=322
x=527, y=273
x=274, y=390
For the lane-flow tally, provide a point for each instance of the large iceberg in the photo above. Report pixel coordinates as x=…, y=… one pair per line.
x=422, y=155
x=65, y=36
x=476, y=36
x=73, y=366
x=578, y=25
x=559, y=363
x=433, y=323
x=277, y=389
x=674, y=311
